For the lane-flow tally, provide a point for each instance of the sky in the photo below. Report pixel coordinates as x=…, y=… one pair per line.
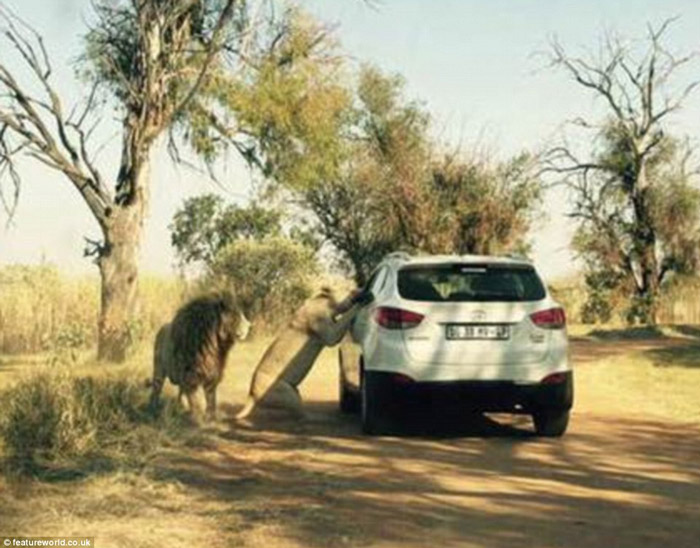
x=475, y=64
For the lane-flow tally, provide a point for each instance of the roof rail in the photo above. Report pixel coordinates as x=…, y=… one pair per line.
x=397, y=255
x=518, y=257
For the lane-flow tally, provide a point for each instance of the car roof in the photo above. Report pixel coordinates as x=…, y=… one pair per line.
x=404, y=260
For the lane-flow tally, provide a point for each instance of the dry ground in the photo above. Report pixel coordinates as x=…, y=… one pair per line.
x=626, y=475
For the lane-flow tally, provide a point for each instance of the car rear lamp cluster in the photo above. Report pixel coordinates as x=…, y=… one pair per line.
x=396, y=318
x=554, y=378
x=552, y=318
x=401, y=379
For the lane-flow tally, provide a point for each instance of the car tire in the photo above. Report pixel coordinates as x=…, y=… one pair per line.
x=372, y=401
x=349, y=401
x=551, y=423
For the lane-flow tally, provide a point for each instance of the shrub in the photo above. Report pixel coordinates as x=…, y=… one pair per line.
x=61, y=419
x=270, y=277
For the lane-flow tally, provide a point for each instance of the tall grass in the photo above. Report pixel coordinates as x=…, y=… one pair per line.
x=679, y=303
x=59, y=419
x=43, y=310
x=40, y=308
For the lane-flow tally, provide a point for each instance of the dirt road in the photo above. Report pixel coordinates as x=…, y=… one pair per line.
x=617, y=479
x=611, y=481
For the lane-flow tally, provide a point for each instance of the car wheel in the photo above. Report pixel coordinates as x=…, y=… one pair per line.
x=350, y=401
x=372, y=401
x=551, y=422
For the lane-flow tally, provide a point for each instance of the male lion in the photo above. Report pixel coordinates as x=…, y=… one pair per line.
x=321, y=321
x=191, y=350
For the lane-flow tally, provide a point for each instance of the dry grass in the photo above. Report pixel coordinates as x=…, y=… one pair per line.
x=663, y=384
x=641, y=371
x=158, y=513
x=620, y=332
x=44, y=310
x=679, y=304
x=76, y=498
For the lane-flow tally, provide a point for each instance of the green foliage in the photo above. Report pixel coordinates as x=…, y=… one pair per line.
x=486, y=208
x=385, y=147
x=391, y=194
x=206, y=224
x=352, y=216
x=603, y=286
x=634, y=192
x=282, y=110
x=245, y=249
x=115, y=50
x=270, y=277
x=58, y=419
x=636, y=239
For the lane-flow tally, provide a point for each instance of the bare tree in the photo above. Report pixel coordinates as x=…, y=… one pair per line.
x=152, y=57
x=636, y=172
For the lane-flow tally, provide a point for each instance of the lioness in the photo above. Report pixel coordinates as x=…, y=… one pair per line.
x=321, y=321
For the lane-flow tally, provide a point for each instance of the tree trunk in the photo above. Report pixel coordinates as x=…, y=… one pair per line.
x=649, y=295
x=645, y=237
x=119, y=264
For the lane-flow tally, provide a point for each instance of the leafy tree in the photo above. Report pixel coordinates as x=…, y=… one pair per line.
x=349, y=214
x=390, y=193
x=248, y=250
x=633, y=194
x=203, y=72
x=286, y=113
x=271, y=276
x=206, y=224
x=151, y=57
x=487, y=208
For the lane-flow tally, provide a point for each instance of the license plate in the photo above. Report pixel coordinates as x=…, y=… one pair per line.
x=472, y=332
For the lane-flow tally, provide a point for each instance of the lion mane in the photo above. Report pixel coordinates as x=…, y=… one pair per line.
x=191, y=351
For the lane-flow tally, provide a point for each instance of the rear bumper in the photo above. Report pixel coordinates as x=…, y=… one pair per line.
x=496, y=396
x=381, y=359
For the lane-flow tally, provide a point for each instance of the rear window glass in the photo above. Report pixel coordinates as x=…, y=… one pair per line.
x=470, y=283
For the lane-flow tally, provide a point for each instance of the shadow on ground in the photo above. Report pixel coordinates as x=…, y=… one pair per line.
x=663, y=351
x=681, y=356
x=586, y=350
x=486, y=482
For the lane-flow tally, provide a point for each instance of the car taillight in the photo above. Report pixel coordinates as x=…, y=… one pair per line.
x=552, y=318
x=396, y=318
x=554, y=378
x=400, y=378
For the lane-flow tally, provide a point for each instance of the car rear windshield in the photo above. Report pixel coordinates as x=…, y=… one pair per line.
x=470, y=283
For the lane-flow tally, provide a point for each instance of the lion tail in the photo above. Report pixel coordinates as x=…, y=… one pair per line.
x=247, y=409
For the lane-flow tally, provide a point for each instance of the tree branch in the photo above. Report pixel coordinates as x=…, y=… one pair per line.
x=212, y=49
x=23, y=122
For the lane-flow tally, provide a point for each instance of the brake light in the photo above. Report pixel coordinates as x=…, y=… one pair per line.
x=400, y=378
x=396, y=318
x=554, y=378
x=552, y=318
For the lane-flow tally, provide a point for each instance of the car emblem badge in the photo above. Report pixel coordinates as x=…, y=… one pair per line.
x=478, y=316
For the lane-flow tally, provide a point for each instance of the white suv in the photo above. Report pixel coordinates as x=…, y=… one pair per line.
x=480, y=331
